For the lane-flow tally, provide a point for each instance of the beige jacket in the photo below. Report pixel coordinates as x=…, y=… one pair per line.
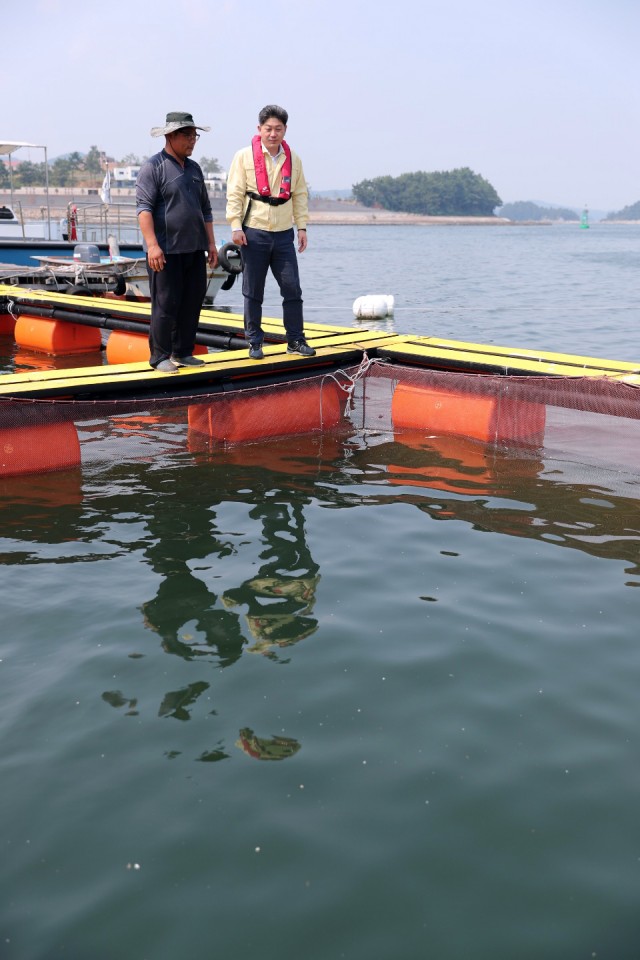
x=263, y=216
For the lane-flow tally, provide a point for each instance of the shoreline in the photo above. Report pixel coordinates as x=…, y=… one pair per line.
x=388, y=217
x=321, y=213
x=326, y=218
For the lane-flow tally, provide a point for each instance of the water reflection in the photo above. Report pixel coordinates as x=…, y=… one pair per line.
x=266, y=748
x=280, y=598
x=562, y=502
x=184, y=603
x=220, y=516
x=514, y=492
x=275, y=603
x=176, y=703
x=116, y=700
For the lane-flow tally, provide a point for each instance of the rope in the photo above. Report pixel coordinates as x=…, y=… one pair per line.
x=365, y=365
x=351, y=379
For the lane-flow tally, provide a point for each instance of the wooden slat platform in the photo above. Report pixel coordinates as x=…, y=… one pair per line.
x=336, y=346
x=437, y=354
x=222, y=370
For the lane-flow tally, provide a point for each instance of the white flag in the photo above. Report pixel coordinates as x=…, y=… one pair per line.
x=105, y=190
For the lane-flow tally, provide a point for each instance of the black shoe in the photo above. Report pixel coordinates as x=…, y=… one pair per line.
x=255, y=352
x=166, y=366
x=187, y=361
x=301, y=347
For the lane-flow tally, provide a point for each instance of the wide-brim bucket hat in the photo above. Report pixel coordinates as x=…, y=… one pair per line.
x=176, y=121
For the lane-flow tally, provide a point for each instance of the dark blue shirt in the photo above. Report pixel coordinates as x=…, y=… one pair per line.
x=177, y=198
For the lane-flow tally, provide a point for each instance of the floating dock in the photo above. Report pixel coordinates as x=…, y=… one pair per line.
x=85, y=379
x=228, y=366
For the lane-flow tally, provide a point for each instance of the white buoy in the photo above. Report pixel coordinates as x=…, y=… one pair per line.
x=373, y=305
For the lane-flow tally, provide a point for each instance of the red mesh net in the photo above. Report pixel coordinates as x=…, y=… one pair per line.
x=466, y=417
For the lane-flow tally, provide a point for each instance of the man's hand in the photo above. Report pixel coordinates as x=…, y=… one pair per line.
x=302, y=241
x=238, y=237
x=155, y=256
x=212, y=258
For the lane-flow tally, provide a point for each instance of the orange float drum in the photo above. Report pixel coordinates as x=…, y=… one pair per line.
x=270, y=412
x=38, y=448
x=124, y=347
x=481, y=417
x=55, y=336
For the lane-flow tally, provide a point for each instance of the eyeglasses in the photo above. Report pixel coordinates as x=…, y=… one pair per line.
x=188, y=134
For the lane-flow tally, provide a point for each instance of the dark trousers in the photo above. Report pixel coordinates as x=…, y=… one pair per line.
x=177, y=293
x=276, y=251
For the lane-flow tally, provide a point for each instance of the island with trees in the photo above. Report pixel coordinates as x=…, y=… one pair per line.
x=453, y=193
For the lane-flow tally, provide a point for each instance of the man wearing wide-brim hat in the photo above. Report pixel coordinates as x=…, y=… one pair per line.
x=174, y=213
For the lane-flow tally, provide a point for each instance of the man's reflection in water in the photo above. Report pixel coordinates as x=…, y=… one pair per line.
x=280, y=598
x=266, y=748
x=183, y=598
x=187, y=551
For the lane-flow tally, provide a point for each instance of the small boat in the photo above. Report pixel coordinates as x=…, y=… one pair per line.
x=84, y=274
x=14, y=229
x=101, y=271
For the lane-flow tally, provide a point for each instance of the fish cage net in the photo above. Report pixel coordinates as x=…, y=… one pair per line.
x=454, y=416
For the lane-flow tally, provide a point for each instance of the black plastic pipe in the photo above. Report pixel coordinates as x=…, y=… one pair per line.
x=225, y=341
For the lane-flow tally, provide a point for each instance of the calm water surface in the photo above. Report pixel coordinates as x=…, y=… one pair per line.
x=341, y=696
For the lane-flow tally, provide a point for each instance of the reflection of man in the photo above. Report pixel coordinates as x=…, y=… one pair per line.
x=266, y=195
x=280, y=599
x=282, y=624
x=182, y=599
x=175, y=219
x=184, y=612
x=266, y=748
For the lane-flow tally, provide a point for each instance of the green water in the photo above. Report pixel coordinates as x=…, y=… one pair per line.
x=321, y=712
x=330, y=697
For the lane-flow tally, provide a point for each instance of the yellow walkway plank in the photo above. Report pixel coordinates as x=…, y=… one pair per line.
x=335, y=346
x=525, y=354
x=335, y=351
x=471, y=357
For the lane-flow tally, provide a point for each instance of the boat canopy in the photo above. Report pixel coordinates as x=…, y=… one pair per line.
x=8, y=146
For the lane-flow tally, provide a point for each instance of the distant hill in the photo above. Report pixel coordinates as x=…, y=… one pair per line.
x=553, y=211
x=631, y=212
x=332, y=194
x=527, y=210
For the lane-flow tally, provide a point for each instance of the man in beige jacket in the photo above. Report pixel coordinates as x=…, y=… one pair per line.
x=266, y=195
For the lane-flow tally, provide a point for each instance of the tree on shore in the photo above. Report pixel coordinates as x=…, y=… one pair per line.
x=93, y=162
x=452, y=193
x=28, y=174
x=76, y=169
x=210, y=165
x=61, y=174
x=63, y=171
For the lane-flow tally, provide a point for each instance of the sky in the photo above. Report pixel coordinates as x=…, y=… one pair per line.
x=540, y=97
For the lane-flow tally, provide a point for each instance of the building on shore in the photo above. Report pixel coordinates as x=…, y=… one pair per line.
x=123, y=177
